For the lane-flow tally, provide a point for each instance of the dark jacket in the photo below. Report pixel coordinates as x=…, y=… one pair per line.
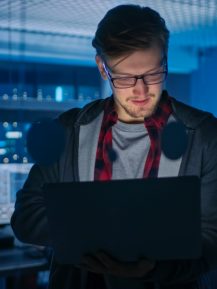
x=29, y=220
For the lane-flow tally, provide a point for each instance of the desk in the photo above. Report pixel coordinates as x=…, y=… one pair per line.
x=20, y=260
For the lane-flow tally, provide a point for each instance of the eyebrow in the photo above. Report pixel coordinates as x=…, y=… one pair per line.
x=130, y=74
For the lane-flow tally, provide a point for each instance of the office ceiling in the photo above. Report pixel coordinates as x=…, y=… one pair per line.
x=63, y=29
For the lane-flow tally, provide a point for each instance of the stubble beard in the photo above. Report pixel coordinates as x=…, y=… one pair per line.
x=140, y=112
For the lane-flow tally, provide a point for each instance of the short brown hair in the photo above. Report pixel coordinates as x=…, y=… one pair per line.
x=128, y=28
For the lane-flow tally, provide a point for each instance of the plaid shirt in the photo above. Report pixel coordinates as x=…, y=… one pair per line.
x=154, y=126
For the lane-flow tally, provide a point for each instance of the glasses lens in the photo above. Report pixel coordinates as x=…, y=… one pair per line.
x=155, y=78
x=124, y=82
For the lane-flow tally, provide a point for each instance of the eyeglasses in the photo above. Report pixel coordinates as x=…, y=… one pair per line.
x=148, y=78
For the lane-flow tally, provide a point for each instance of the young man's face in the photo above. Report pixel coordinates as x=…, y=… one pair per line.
x=135, y=103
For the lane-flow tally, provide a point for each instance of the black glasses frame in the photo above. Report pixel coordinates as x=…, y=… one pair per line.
x=136, y=77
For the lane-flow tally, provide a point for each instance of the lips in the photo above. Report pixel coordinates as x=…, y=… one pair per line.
x=140, y=102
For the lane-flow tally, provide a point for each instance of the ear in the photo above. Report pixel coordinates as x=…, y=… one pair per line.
x=99, y=63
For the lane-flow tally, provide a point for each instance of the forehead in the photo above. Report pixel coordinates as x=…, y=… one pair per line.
x=137, y=61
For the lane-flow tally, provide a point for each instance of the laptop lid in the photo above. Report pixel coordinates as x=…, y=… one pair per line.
x=129, y=219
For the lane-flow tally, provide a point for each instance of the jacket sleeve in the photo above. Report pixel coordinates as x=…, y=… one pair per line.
x=181, y=271
x=29, y=221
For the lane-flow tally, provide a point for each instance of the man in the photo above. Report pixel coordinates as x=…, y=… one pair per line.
x=131, y=52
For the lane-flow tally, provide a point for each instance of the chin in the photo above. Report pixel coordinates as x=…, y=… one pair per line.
x=142, y=115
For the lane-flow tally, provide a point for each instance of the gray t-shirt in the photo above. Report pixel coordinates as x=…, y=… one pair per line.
x=131, y=143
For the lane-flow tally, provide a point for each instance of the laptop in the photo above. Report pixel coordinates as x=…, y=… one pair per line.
x=129, y=219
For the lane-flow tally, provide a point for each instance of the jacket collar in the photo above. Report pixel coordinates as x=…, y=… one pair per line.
x=189, y=116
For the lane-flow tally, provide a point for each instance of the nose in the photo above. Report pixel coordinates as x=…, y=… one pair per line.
x=140, y=88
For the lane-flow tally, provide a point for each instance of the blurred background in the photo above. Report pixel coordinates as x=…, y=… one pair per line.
x=47, y=66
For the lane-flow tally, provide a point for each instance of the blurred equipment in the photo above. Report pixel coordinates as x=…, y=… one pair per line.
x=15, y=164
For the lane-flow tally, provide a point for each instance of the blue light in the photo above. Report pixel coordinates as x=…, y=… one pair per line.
x=3, y=143
x=13, y=134
x=3, y=151
x=59, y=94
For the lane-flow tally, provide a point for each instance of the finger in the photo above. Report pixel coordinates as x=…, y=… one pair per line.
x=91, y=269
x=140, y=268
x=113, y=266
x=122, y=269
x=93, y=264
x=145, y=266
x=132, y=269
x=105, y=259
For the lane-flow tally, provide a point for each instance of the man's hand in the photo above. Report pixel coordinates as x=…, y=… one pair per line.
x=105, y=264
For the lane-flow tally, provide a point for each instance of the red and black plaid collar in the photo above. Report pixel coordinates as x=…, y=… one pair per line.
x=110, y=115
x=158, y=119
x=161, y=115
x=154, y=124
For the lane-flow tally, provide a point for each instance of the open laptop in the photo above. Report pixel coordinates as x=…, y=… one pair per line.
x=129, y=219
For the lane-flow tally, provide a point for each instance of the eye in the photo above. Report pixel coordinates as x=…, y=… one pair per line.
x=125, y=80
